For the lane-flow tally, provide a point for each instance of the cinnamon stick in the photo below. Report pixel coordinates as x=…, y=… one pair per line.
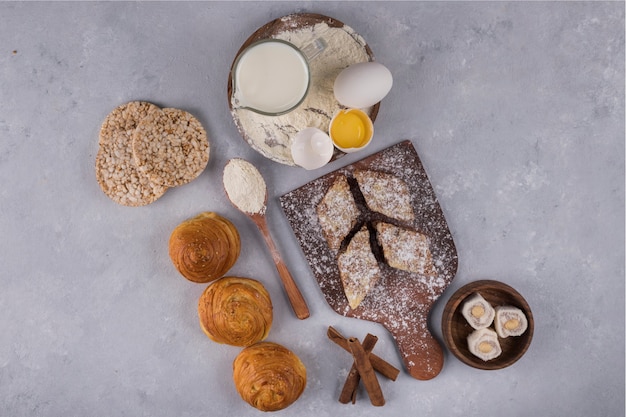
x=379, y=364
x=366, y=371
x=348, y=393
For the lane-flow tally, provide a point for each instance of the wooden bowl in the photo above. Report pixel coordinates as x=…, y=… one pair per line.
x=456, y=328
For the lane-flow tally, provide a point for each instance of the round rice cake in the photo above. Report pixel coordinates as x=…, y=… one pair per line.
x=124, y=119
x=116, y=171
x=118, y=175
x=171, y=147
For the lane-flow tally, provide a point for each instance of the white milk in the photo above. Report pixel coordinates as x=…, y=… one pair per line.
x=272, y=77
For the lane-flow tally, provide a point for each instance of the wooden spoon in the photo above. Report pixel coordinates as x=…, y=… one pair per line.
x=246, y=190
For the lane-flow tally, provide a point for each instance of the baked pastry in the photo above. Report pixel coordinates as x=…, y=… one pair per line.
x=337, y=212
x=358, y=268
x=205, y=247
x=269, y=376
x=405, y=249
x=510, y=321
x=478, y=312
x=235, y=311
x=385, y=194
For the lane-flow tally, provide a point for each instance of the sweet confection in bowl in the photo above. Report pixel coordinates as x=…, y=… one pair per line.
x=459, y=334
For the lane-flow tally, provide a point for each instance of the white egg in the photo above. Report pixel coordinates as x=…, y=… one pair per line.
x=311, y=148
x=362, y=85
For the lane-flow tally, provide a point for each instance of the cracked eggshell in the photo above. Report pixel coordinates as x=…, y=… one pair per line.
x=362, y=85
x=311, y=148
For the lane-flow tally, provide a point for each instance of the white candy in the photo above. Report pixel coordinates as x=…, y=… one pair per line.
x=478, y=312
x=484, y=344
x=510, y=321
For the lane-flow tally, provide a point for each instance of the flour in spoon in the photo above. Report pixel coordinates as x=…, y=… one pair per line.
x=245, y=186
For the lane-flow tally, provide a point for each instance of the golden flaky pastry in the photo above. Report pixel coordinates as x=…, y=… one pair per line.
x=205, y=247
x=235, y=311
x=269, y=376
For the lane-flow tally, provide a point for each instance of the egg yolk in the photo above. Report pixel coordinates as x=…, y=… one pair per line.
x=350, y=130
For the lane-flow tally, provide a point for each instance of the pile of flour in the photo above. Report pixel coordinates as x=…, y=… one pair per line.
x=245, y=186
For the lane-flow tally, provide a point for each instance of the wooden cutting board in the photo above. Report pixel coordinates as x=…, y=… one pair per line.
x=401, y=301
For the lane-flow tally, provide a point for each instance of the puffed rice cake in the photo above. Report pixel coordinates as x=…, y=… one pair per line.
x=116, y=171
x=170, y=146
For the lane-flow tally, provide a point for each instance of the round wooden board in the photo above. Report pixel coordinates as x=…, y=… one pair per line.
x=456, y=329
x=292, y=22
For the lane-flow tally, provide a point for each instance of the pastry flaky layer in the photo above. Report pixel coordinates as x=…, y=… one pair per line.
x=269, y=376
x=205, y=247
x=235, y=311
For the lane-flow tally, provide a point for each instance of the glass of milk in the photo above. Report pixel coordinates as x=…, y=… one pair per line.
x=271, y=76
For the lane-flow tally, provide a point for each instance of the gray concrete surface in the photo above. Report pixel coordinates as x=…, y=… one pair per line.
x=516, y=109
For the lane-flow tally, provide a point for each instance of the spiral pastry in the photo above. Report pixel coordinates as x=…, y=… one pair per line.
x=205, y=247
x=236, y=311
x=269, y=376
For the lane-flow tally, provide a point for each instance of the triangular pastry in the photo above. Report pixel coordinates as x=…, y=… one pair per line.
x=385, y=194
x=405, y=249
x=358, y=268
x=337, y=212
